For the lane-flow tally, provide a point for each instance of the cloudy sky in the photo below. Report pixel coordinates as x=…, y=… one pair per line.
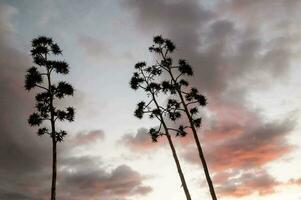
x=246, y=58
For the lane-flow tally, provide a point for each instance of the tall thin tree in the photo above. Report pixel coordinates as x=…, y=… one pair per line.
x=44, y=51
x=143, y=78
x=188, y=98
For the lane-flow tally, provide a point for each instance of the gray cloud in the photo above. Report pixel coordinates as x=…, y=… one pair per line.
x=140, y=141
x=234, y=47
x=94, y=48
x=25, y=158
x=84, y=177
x=84, y=138
x=245, y=148
x=22, y=154
x=249, y=182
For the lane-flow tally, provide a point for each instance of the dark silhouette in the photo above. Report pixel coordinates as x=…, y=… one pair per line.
x=43, y=49
x=188, y=100
x=144, y=78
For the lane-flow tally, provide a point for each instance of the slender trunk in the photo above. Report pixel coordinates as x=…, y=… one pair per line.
x=53, y=183
x=202, y=157
x=53, y=135
x=195, y=135
x=201, y=154
x=174, y=153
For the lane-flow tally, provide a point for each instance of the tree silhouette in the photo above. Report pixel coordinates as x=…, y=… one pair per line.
x=188, y=99
x=144, y=78
x=43, y=48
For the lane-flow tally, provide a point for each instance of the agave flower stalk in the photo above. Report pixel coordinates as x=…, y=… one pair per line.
x=143, y=79
x=189, y=99
x=46, y=111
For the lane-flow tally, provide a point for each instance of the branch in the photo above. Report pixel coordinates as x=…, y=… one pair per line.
x=193, y=102
x=41, y=87
x=142, y=87
x=161, y=65
x=149, y=103
x=184, y=92
x=173, y=129
x=178, y=76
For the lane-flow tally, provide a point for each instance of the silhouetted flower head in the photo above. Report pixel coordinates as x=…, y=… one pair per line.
x=140, y=65
x=35, y=119
x=39, y=50
x=155, y=71
x=183, y=82
x=154, y=49
x=60, y=135
x=42, y=131
x=197, y=122
x=194, y=111
x=169, y=45
x=158, y=40
x=42, y=40
x=60, y=66
x=42, y=97
x=185, y=68
x=153, y=87
x=43, y=109
x=63, y=89
x=166, y=62
x=168, y=87
x=154, y=134
x=156, y=112
x=70, y=114
x=56, y=49
x=32, y=78
x=61, y=115
x=181, y=131
x=201, y=99
x=140, y=110
x=174, y=115
x=135, y=81
x=39, y=60
x=173, y=104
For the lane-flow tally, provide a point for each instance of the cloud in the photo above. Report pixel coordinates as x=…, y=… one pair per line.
x=90, y=180
x=248, y=183
x=295, y=182
x=141, y=141
x=256, y=147
x=88, y=137
x=22, y=154
x=235, y=47
x=94, y=48
x=25, y=158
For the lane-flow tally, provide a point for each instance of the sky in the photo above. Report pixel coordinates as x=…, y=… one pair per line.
x=245, y=56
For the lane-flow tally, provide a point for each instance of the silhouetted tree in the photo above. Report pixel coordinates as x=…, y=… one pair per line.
x=43, y=52
x=188, y=99
x=144, y=78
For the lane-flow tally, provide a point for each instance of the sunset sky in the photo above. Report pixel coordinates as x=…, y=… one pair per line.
x=246, y=55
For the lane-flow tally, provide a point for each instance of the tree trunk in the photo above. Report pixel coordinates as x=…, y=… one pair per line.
x=53, y=183
x=203, y=160
x=178, y=167
x=174, y=153
x=53, y=135
x=201, y=154
x=197, y=141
